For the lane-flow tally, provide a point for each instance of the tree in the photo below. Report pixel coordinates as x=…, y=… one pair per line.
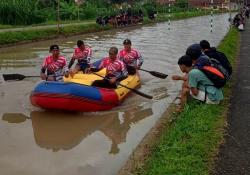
x=181, y=3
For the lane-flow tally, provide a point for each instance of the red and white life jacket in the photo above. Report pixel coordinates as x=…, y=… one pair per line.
x=83, y=56
x=52, y=65
x=114, y=68
x=132, y=58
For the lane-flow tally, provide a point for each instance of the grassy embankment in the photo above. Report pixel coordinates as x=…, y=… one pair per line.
x=47, y=33
x=189, y=143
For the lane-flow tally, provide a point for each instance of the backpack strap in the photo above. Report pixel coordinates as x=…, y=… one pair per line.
x=206, y=85
x=205, y=100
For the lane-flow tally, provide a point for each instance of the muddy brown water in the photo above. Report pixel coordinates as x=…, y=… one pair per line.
x=34, y=141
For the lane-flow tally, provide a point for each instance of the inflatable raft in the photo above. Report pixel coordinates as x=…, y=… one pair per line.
x=77, y=94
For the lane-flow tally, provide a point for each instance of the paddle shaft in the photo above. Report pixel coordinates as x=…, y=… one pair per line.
x=16, y=77
x=144, y=70
x=133, y=90
x=156, y=74
x=30, y=76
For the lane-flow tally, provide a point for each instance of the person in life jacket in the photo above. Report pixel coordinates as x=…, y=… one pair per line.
x=115, y=70
x=55, y=65
x=197, y=84
x=217, y=56
x=131, y=57
x=83, y=55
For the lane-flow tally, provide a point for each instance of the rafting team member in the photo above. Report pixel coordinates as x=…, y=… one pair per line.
x=131, y=57
x=55, y=65
x=83, y=55
x=115, y=70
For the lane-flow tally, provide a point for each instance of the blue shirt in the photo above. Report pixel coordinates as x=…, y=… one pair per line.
x=197, y=79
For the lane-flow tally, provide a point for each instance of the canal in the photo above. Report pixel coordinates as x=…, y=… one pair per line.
x=34, y=141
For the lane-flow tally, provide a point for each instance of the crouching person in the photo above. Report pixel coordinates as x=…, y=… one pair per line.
x=115, y=70
x=198, y=85
x=54, y=66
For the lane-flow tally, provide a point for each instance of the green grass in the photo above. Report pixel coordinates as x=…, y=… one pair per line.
x=63, y=22
x=188, y=145
x=2, y=26
x=39, y=34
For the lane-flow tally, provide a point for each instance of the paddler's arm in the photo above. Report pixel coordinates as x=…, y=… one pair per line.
x=71, y=62
x=97, y=69
x=140, y=61
x=42, y=74
x=110, y=78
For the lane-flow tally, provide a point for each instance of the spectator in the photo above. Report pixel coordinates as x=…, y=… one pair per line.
x=199, y=59
x=218, y=57
x=197, y=84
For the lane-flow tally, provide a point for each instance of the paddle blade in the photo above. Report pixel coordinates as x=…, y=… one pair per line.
x=158, y=74
x=8, y=77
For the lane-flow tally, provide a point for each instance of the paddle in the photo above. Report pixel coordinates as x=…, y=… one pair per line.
x=133, y=90
x=7, y=77
x=156, y=74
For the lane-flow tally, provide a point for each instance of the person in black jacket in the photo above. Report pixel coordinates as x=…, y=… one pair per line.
x=198, y=57
x=213, y=53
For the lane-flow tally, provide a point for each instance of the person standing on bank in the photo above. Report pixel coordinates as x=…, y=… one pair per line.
x=115, y=70
x=131, y=57
x=55, y=65
x=83, y=55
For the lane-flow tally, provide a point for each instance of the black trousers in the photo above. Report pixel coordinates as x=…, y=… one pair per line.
x=131, y=70
x=104, y=83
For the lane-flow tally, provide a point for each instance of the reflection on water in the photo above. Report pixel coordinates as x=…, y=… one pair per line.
x=14, y=117
x=56, y=131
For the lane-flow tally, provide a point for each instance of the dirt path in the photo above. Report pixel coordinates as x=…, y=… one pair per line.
x=234, y=155
x=44, y=27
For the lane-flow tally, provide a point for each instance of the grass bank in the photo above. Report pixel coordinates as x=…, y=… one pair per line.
x=188, y=144
x=47, y=33
x=29, y=35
